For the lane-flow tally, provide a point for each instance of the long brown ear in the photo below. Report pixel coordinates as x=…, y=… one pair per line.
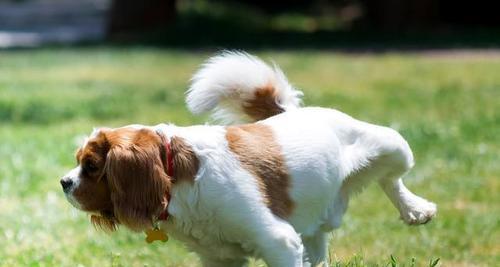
x=137, y=181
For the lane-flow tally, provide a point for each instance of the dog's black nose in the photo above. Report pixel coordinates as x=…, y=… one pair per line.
x=66, y=183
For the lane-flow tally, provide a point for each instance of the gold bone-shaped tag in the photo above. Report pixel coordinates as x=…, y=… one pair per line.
x=155, y=234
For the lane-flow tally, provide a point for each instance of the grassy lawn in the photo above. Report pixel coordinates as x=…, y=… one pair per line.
x=448, y=109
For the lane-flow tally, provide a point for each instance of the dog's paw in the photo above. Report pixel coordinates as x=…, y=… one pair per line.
x=420, y=211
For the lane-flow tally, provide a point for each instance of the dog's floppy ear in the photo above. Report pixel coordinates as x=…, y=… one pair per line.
x=137, y=180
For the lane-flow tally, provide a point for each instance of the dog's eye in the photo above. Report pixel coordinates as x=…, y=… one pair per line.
x=90, y=167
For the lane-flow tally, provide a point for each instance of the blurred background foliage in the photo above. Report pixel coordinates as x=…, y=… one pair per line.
x=340, y=24
x=301, y=23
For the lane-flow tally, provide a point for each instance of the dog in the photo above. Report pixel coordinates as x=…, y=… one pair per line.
x=269, y=183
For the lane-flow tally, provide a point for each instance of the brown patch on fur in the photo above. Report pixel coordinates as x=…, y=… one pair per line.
x=259, y=154
x=185, y=162
x=122, y=178
x=263, y=105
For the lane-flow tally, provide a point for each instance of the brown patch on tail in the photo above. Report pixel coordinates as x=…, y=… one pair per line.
x=263, y=105
x=260, y=154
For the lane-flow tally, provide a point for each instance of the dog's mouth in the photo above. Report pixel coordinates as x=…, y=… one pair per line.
x=102, y=219
x=72, y=200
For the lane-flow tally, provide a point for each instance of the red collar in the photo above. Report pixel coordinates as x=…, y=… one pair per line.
x=169, y=158
x=169, y=169
x=170, y=161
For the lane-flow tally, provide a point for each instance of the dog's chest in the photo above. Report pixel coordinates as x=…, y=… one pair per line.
x=196, y=225
x=207, y=240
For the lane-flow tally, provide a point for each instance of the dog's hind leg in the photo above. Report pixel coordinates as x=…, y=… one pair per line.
x=413, y=209
x=384, y=156
x=399, y=160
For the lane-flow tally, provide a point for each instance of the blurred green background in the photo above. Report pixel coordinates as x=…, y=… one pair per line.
x=429, y=69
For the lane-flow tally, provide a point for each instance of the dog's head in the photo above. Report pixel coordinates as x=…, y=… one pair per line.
x=120, y=178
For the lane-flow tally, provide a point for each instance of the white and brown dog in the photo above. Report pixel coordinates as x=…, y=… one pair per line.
x=272, y=188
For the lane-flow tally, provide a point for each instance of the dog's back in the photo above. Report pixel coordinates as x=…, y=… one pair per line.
x=309, y=160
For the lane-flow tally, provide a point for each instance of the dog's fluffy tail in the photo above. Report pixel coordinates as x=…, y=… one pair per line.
x=238, y=87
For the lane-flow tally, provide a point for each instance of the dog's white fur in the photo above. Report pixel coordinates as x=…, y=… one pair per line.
x=226, y=81
x=329, y=156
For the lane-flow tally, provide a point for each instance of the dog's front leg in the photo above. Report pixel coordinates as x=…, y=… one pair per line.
x=280, y=246
x=316, y=249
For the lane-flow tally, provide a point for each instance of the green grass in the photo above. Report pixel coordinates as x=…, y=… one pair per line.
x=447, y=108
